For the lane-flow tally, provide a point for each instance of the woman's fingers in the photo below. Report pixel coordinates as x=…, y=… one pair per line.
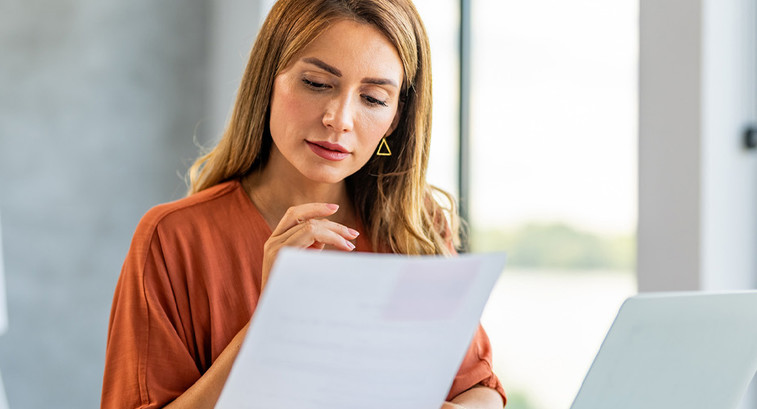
x=299, y=214
x=314, y=225
x=303, y=226
x=319, y=232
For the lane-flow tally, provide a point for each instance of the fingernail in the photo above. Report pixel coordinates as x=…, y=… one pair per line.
x=353, y=232
x=350, y=245
x=332, y=206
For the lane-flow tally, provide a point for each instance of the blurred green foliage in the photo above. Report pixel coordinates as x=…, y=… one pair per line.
x=557, y=246
x=518, y=400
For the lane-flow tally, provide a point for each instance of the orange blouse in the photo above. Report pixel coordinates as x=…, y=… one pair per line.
x=190, y=282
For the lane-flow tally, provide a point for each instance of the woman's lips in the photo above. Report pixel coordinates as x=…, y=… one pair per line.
x=331, y=146
x=328, y=151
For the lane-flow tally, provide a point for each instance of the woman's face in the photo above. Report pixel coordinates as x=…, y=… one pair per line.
x=335, y=101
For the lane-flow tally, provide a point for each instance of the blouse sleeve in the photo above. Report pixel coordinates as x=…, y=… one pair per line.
x=148, y=359
x=476, y=368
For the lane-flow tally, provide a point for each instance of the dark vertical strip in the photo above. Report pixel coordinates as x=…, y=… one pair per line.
x=464, y=119
x=750, y=134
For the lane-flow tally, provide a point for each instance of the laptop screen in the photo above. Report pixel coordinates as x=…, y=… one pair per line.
x=675, y=350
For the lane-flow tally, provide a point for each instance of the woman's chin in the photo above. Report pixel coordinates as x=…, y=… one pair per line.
x=325, y=176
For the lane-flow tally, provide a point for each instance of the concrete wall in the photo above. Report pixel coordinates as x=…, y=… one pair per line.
x=669, y=145
x=233, y=27
x=99, y=101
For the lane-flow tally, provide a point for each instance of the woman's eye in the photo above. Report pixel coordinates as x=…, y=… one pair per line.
x=375, y=101
x=313, y=84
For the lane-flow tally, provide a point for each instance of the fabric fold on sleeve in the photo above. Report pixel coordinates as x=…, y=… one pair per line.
x=476, y=368
x=147, y=362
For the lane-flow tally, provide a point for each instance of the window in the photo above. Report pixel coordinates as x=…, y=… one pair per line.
x=553, y=182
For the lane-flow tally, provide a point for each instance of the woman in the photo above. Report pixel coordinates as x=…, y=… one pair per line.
x=328, y=82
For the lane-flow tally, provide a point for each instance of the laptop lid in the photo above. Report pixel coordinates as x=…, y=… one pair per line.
x=675, y=350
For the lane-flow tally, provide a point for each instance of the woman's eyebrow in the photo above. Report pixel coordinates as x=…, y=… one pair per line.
x=335, y=71
x=322, y=65
x=379, y=81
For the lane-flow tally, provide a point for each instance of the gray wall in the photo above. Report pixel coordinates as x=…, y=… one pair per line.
x=99, y=102
x=697, y=183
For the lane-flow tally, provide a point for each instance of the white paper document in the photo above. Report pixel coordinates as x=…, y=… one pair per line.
x=340, y=330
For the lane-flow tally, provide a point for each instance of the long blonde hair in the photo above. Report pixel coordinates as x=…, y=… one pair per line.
x=400, y=210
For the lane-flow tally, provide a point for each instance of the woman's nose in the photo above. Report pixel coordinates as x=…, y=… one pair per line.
x=339, y=115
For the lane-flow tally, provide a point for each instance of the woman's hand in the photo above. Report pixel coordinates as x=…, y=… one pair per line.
x=304, y=227
x=478, y=397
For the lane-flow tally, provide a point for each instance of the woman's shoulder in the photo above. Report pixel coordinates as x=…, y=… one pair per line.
x=220, y=213
x=223, y=207
x=209, y=202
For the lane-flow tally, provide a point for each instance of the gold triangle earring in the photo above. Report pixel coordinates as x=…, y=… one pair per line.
x=383, y=149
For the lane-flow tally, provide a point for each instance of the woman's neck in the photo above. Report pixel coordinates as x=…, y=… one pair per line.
x=273, y=191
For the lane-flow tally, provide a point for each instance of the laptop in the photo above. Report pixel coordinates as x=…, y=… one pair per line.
x=675, y=351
